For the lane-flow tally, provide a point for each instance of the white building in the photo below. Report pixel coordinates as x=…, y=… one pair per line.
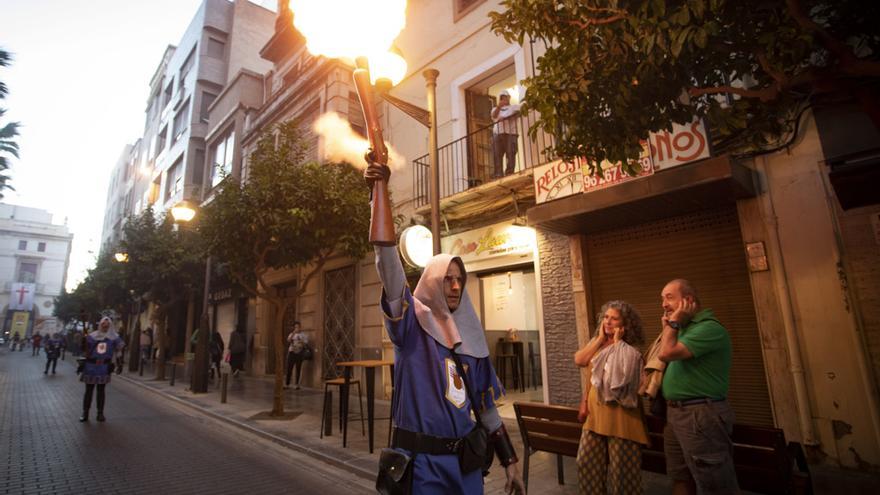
x=34, y=256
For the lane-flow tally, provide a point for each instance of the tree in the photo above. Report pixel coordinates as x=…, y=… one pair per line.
x=288, y=214
x=103, y=290
x=614, y=70
x=163, y=266
x=8, y=132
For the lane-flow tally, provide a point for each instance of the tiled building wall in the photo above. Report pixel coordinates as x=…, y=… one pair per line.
x=563, y=378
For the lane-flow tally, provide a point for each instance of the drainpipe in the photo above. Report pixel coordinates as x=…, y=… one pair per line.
x=780, y=279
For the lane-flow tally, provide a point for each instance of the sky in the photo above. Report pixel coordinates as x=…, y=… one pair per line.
x=78, y=84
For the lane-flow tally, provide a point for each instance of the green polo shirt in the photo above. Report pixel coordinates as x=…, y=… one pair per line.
x=707, y=373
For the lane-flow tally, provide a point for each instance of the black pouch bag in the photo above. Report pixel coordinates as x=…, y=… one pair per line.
x=474, y=452
x=657, y=406
x=395, y=473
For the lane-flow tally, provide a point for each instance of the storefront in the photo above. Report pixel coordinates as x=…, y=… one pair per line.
x=628, y=236
x=502, y=286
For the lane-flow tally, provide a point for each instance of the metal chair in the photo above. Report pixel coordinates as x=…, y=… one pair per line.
x=328, y=406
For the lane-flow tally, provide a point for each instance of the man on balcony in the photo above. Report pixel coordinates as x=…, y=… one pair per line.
x=504, y=134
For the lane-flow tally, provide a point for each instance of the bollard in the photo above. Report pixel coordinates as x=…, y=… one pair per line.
x=225, y=381
x=141, y=366
x=328, y=413
x=173, y=373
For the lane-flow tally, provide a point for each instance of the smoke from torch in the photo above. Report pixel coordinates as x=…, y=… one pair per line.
x=342, y=144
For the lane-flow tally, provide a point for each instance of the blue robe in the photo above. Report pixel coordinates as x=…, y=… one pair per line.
x=429, y=399
x=99, y=355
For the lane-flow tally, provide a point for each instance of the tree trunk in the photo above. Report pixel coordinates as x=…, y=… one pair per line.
x=277, y=336
x=159, y=318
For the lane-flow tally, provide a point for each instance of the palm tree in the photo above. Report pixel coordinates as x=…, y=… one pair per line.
x=8, y=132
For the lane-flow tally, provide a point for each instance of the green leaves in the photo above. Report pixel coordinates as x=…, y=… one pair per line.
x=8, y=132
x=289, y=213
x=585, y=78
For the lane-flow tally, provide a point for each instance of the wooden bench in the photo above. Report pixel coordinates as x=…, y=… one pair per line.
x=764, y=462
x=553, y=429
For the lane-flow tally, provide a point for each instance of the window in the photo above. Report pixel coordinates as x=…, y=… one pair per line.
x=207, y=101
x=27, y=273
x=222, y=158
x=41, y=247
x=199, y=168
x=174, y=179
x=180, y=121
x=169, y=90
x=462, y=7
x=355, y=115
x=22, y=245
x=185, y=68
x=216, y=48
x=160, y=139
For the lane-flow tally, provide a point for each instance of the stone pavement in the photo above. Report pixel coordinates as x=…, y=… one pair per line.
x=147, y=445
x=249, y=396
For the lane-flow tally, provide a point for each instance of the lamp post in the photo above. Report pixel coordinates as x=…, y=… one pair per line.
x=185, y=212
x=427, y=118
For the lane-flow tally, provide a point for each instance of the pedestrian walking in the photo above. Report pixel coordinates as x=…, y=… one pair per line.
x=442, y=374
x=699, y=421
x=215, y=349
x=237, y=351
x=53, y=350
x=145, y=340
x=297, y=351
x=97, y=366
x=77, y=343
x=16, y=341
x=119, y=355
x=609, y=458
x=36, y=341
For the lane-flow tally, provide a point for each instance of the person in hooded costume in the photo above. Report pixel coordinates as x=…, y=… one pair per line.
x=97, y=368
x=430, y=328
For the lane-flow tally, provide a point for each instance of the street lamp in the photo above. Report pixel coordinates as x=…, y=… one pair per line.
x=185, y=212
x=121, y=257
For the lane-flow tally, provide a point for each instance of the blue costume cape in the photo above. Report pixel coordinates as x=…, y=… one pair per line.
x=430, y=398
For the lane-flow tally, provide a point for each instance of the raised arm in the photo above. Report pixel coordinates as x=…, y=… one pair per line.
x=583, y=356
x=392, y=276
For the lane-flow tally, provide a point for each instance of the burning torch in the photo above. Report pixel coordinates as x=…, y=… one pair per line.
x=334, y=29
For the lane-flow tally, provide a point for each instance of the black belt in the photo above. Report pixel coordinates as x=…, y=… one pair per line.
x=691, y=402
x=97, y=361
x=422, y=443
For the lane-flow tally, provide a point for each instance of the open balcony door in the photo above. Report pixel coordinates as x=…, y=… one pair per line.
x=479, y=145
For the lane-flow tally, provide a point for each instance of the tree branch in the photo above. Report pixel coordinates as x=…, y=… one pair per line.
x=764, y=94
x=596, y=22
x=305, y=282
x=849, y=63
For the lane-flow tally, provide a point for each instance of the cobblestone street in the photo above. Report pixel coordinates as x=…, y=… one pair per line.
x=147, y=445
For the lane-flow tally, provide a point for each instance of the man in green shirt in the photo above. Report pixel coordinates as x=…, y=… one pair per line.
x=697, y=350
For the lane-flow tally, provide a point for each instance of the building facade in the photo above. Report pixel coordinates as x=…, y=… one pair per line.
x=197, y=93
x=775, y=244
x=34, y=257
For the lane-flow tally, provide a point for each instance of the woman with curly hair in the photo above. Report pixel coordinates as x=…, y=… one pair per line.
x=609, y=456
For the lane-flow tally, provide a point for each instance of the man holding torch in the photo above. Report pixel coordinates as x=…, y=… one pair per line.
x=442, y=373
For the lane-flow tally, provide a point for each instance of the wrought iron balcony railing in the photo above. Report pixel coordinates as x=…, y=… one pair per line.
x=477, y=158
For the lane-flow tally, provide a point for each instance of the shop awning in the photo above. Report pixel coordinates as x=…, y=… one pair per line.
x=696, y=186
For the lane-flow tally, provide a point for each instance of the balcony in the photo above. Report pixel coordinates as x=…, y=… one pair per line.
x=469, y=185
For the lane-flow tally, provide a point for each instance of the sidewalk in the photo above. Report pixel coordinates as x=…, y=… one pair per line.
x=249, y=396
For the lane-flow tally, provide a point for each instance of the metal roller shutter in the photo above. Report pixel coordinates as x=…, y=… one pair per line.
x=635, y=262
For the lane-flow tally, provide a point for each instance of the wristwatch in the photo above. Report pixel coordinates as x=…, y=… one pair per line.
x=674, y=324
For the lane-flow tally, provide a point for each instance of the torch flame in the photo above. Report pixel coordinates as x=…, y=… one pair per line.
x=352, y=28
x=342, y=144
